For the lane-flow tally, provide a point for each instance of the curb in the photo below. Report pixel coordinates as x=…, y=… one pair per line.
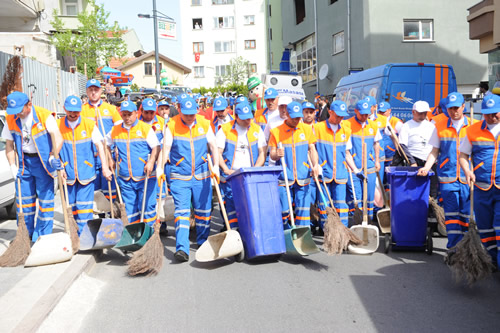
x=26, y=314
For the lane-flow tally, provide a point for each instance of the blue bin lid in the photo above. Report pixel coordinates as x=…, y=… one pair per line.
x=405, y=171
x=273, y=169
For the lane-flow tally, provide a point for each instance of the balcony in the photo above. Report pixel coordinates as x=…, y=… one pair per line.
x=483, y=26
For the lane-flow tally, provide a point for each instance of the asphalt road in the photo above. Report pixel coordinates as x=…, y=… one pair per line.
x=398, y=292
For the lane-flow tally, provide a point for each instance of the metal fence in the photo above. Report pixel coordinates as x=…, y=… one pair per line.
x=48, y=86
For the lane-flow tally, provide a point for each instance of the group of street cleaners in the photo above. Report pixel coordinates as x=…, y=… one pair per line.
x=144, y=148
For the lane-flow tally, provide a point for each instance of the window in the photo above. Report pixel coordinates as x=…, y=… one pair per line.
x=252, y=68
x=148, y=68
x=71, y=7
x=250, y=44
x=198, y=47
x=222, y=70
x=195, y=2
x=338, y=42
x=199, y=71
x=300, y=11
x=303, y=59
x=249, y=19
x=225, y=46
x=223, y=22
x=222, y=2
x=197, y=24
x=418, y=30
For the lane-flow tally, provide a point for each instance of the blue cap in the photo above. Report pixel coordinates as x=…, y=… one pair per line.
x=183, y=96
x=209, y=99
x=294, y=110
x=270, y=93
x=316, y=93
x=244, y=111
x=383, y=106
x=231, y=101
x=220, y=104
x=128, y=106
x=490, y=104
x=93, y=83
x=241, y=99
x=73, y=103
x=455, y=99
x=174, y=100
x=149, y=104
x=164, y=102
x=308, y=105
x=340, y=108
x=16, y=102
x=371, y=100
x=363, y=106
x=189, y=106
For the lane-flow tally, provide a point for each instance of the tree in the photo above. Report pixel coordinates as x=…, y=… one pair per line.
x=94, y=43
x=237, y=72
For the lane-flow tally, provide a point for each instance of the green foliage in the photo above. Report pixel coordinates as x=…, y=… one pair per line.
x=237, y=72
x=90, y=44
x=134, y=87
x=239, y=88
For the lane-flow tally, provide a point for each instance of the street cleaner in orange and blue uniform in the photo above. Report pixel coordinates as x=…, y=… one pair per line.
x=482, y=144
x=222, y=115
x=137, y=148
x=31, y=128
x=298, y=142
x=80, y=135
x=446, y=139
x=334, y=154
x=187, y=137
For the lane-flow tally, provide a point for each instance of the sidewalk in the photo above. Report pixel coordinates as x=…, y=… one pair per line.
x=28, y=295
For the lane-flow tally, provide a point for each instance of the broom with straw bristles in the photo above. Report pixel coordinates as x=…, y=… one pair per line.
x=20, y=248
x=358, y=214
x=469, y=259
x=12, y=80
x=73, y=226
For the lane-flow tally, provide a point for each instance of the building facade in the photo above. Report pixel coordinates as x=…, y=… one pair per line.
x=216, y=31
x=336, y=37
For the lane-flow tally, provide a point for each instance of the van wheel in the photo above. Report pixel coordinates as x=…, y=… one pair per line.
x=11, y=211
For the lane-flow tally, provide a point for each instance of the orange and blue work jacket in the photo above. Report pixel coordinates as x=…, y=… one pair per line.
x=388, y=145
x=381, y=122
x=296, y=143
x=77, y=152
x=485, y=156
x=39, y=133
x=331, y=147
x=133, y=149
x=157, y=125
x=232, y=140
x=448, y=168
x=360, y=135
x=261, y=116
x=189, y=149
x=216, y=124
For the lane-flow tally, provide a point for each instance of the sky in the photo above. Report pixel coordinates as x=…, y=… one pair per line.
x=125, y=12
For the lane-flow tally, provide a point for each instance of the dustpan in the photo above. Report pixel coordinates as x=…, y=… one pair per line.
x=100, y=234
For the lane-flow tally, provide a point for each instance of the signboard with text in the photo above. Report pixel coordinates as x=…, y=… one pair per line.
x=167, y=30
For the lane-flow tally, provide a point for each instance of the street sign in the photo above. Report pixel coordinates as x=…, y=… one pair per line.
x=167, y=30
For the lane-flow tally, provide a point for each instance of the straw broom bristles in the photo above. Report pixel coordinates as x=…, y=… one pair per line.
x=149, y=259
x=73, y=231
x=19, y=249
x=438, y=212
x=337, y=235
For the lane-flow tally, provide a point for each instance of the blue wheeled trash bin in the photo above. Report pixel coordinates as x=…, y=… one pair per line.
x=409, y=207
x=258, y=209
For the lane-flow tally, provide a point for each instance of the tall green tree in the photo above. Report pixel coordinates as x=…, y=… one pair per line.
x=95, y=40
x=237, y=73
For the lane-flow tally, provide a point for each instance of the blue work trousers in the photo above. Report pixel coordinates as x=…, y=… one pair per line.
x=487, y=212
x=132, y=193
x=456, y=207
x=81, y=200
x=338, y=194
x=358, y=187
x=301, y=200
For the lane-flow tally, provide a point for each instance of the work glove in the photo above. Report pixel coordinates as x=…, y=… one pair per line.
x=360, y=175
x=55, y=163
x=160, y=178
x=14, y=170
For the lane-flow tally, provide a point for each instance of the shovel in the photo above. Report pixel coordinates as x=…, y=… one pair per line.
x=223, y=245
x=298, y=240
x=137, y=234
x=367, y=233
x=384, y=214
x=56, y=247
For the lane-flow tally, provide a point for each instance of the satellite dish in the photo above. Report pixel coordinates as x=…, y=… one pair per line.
x=323, y=71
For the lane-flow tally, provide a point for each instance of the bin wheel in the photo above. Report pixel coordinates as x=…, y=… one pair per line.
x=387, y=243
x=240, y=256
x=429, y=244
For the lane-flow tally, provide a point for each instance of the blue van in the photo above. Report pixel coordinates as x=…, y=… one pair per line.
x=399, y=84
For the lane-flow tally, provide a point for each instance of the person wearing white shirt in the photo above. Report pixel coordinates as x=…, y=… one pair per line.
x=137, y=149
x=30, y=132
x=241, y=144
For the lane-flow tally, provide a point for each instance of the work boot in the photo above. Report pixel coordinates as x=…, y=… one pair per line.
x=163, y=229
x=181, y=256
x=320, y=232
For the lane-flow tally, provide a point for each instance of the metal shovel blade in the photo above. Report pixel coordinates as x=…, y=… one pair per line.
x=101, y=234
x=369, y=235
x=299, y=241
x=224, y=245
x=50, y=249
x=384, y=220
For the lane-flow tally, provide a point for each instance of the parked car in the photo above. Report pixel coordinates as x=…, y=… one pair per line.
x=150, y=91
x=7, y=184
x=179, y=90
x=168, y=94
